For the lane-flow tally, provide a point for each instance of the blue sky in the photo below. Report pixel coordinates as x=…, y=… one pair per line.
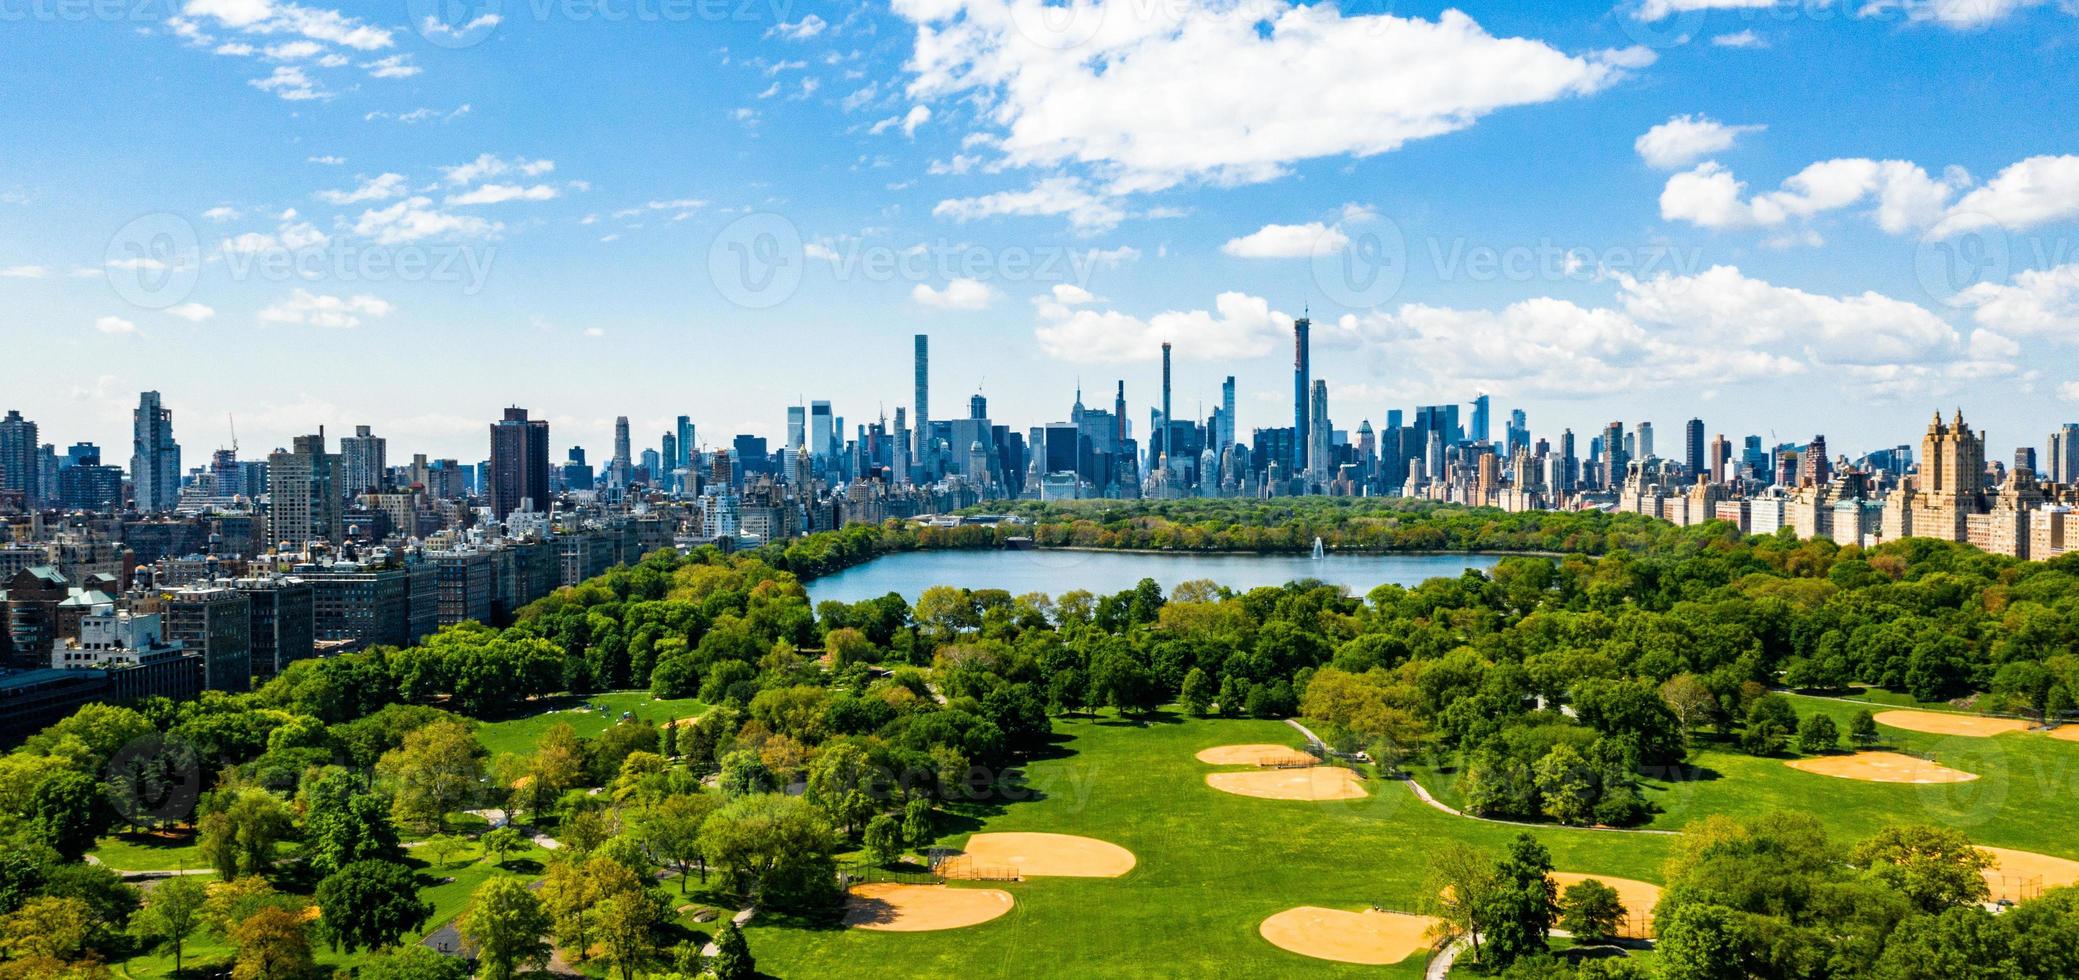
x=1791, y=218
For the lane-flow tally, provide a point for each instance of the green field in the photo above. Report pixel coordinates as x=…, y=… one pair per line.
x=519, y=735
x=1211, y=867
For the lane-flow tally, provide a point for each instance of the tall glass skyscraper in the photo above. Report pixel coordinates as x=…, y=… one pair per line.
x=1302, y=382
x=154, y=456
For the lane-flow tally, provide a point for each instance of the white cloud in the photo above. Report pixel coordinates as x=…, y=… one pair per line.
x=394, y=66
x=500, y=193
x=114, y=325
x=908, y=121
x=2069, y=391
x=1722, y=305
x=436, y=30
x=2041, y=302
x=1054, y=196
x=328, y=160
x=233, y=49
x=1149, y=95
x=415, y=218
x=959, y=294
x=2028, y=193
x=1683, y=140
x=800, y=30
x=1239, y=326
x=1740, y=39
x=381, y=187
x=2024, y=195
x=489, y=165
x=293, y=50
x=1652, y=10
x=290, y=83
x=192, y=312
x=222, y=213
x=266, y=17
x=25, y=272
x=1959, y=15
x=1288, y=241
x=319, y=310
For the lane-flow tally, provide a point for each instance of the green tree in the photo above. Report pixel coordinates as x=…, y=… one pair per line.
x=273, y=944
x=341, y=826
x=1460, y=884
x=1701, y=942
x=840, y=785
x=172, y=913
x=883, y=840
x=70, y=812
x=1565, y=788
x=1817, y=734
x=732, y=959
x=1517, y=916
x=917, y=830
x=1198, y=692
x=776, y=848
x=1935, y=868
x=433, y=773
x=414, y=963
x=1770, y=723
x=442, y=848
x=370, y=904
x=1591, y=911
x=1862, y=730
x=670, y=831
x=505, y=925
x=628, y=919
x=500, y=842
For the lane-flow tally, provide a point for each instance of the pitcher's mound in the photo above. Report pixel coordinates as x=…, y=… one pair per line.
x=1049, y=855
x=1882, y=767
x=1638, y=897
x=1256, y=755
x=1371, y=938
x=1319, y=784
x=884, y=907
x=2018, y=876
x=1938, y=723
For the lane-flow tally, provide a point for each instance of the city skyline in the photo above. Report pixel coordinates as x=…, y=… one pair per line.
x=1693, y=238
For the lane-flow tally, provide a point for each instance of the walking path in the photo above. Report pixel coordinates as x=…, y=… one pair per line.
x=740, y=919
x=1423, y=795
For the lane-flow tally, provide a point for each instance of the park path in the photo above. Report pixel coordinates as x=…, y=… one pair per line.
x=1440, y=964
x=740, y=919
x=1423, y=795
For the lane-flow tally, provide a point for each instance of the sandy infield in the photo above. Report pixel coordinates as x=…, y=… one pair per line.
x=1371, y=938
x=1049, y=855
x=885, y=907
x=1882, y=767
x=1937, y=723
x=1319, y=784
x=2065, y=733
x=1638, y=897
x=1254, y=755
x=2022, y=875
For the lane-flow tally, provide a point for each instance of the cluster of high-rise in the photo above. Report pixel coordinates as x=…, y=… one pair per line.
x=164, y=579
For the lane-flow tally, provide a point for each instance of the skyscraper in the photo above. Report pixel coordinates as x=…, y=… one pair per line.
x=1302, y=382
x=1319, y=432
x=154, y=456
x=303, y=495
x=822, y=431
x=797, y=428
x=2062, y=466
x=1482, y=407
x=1645, y=446
x=922, y=422
x=364, y=463
x=685, y=444
x=1226, y=434
x=1693, y=447
x=18, y=464
x=519, y=464
x=1161, y=444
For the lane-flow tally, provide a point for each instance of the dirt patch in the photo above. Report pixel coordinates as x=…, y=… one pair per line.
x=2018, y=876
x=1938, y=723
x=1638, y=897
x=1049, y=855
x=1371, y=938
x=884, y=907
x=1257, y=754
x=1882, y=767
x=2064, y=733
x=1318, y=784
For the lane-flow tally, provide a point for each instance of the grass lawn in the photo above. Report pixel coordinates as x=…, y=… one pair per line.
x=130, y=851
x=1211, y=867
x=2023, y=776
x=518, y=736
